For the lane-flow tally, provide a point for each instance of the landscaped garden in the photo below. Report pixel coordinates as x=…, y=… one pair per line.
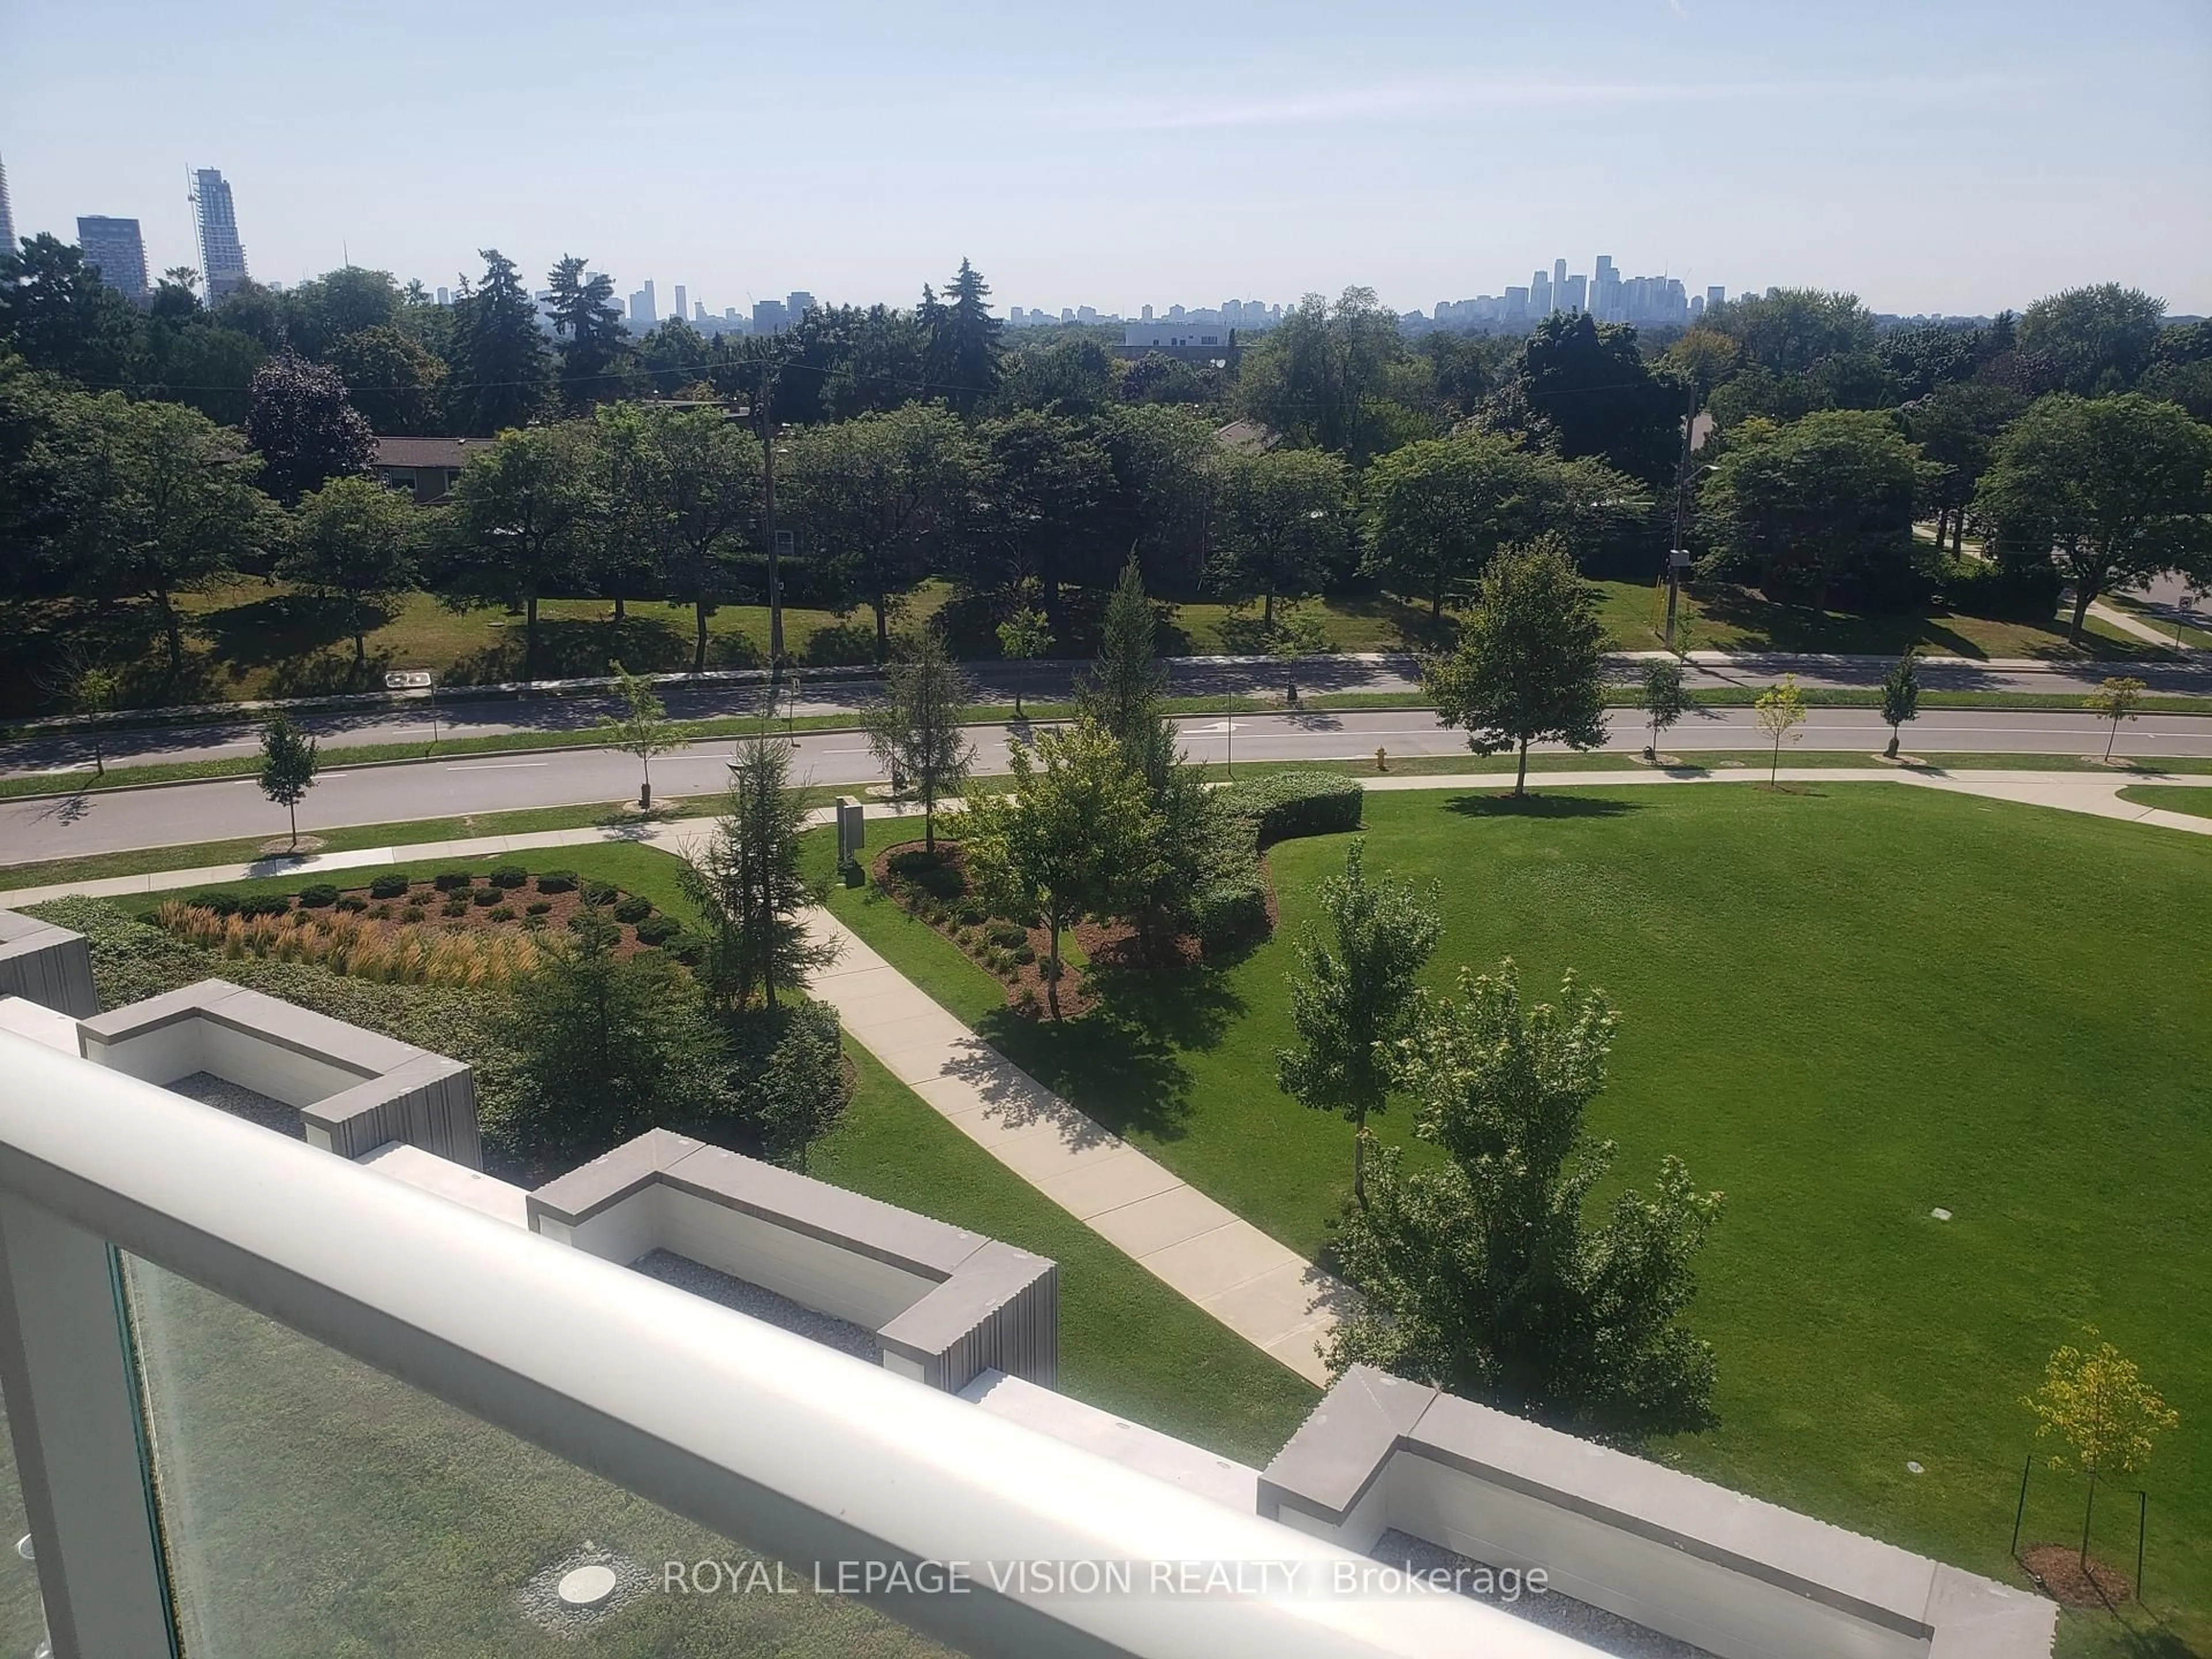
x=1849, y=1007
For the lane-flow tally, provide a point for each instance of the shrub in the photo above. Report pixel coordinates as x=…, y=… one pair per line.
x=1024, y=955
x=221, y=904
x=510, y=875
x=412, y=913
x=601, y=892
x=353, y=902
x=503, y=913
x=1230, y=913
x=1287, y=805
x=454, y=907
x=265, y=906
x=391, y=885
x=972, y=915
x=484, y=897
x=688, y=947
x=381, y=911
x=657, y=930
x=932, y=872
x=635, y=908
x=557, y=881
x=449, y=881
x=319, y=896
x=1007, y=935
x=534, y=923
x=538, y=906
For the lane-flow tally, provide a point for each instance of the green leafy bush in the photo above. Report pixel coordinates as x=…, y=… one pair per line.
x=457, y=906
x=538, y=906
x=601, y=892
x=2018, y=592
x=413, y=913
x=389, y=886
x=503, y=913
x=1006, y=935
x=1230, y=913
x=635, y=908
x=657, y=930
x=269, y=905
x=1024, y=955
x=534, y=924
x=319, y=896
x=1283, y=806
x=353, y=902
x=450, y=881
x=510, y=875
x=557, y=881
x=484, y=897
x=221, y=904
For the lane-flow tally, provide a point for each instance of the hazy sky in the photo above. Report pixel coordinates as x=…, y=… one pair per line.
x=1937, y=156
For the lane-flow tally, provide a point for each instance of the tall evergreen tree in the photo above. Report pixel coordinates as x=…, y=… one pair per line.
x=499, y=366
x=963, y=339
x=1122, y=689
x=747, y=883
x=589, y=326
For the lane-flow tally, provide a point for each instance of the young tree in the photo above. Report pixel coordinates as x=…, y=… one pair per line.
x=298, y=419
x=1529, y=665
x=356, y=541
x=85, y=685
x=915, y=735
x=288, y=764
x=1074, y=838
x=1353, y=997
x=803, y=1089
x=643, y=728
x=522, y=516
x=2116, y=699
x=1122, y=689
x=747, y=883
x=609, y=1046
x=2108, y=1416
x=1024, y=637
x=1666, y=700
x=2119, y=488
x=1900, y=696
x=1482, y=1276
x=1779, y=711
x=1283, y=518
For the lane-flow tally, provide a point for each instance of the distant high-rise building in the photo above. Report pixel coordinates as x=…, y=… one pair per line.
x=114, y=248
x=770, y=317
x=1697, y=307
x=1716, y=296
x=642, y=311
x=1605, y=290
x=1148, y=313
x=7, y=215
x=222, y=256
x=1574, y=294
x=698, y=311
x=445, y=296
x=1559, y=284
x=1540, y=295
x=683, y=309
x=797, y=303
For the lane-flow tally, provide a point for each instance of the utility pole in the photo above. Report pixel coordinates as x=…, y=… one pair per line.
x=765, y=419
x=1677, y=556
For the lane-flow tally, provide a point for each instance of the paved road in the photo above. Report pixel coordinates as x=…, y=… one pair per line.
x=110, y=821
x=462, y=715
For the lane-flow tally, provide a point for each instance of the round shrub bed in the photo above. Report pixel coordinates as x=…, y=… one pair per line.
x=634, y=910
x=319, y=896
x=557, y=881
x=510, y=875
x=449, y=881
x=391, y=885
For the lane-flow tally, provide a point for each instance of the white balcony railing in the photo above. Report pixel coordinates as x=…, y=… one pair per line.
x=761, y=1436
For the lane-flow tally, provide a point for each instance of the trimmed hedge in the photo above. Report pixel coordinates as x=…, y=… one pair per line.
x=1283, y=806
x=391, y=885
x=1231, y=914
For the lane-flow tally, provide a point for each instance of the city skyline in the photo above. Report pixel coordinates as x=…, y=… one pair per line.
x=1711, y=140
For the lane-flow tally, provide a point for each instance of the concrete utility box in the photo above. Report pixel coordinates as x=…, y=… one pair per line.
x=45, y=964
x=852, y=830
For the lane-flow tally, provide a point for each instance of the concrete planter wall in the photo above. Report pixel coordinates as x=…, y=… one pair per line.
x=45, y=964
x=943, y=1304
x=1735, y=1576
x=355, y=1090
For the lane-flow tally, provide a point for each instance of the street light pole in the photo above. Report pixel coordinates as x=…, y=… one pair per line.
x=1676, y=555
x=766, y=422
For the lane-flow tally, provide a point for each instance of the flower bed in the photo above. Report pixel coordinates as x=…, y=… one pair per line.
x=443, y=928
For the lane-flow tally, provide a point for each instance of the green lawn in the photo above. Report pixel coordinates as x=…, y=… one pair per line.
x=2174, y=799
x=1845, y=1006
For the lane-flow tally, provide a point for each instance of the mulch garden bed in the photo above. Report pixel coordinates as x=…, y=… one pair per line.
x=937, y=892
x=2057, y=1572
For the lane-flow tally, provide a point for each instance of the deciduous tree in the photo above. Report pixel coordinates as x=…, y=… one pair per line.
x=1529, y=665
x=2116, y=699
x=2094, y=340
x=641, y=727
x=523, y=514
x=1482, y=1275
x=1779, y=711
x=1353, y=999
x=356, y=541
x=1665, y=699
x=306, y=433
x=288, y=764
x=1024, y=637
x=1900, y=696
x=1074, y=838
x=915, y=735
x=2108, y=1417
x=1283, y=521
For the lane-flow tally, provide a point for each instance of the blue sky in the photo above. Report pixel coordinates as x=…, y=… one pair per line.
x=1953, y=154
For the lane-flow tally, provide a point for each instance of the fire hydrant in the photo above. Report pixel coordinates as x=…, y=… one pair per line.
x=1382, y=759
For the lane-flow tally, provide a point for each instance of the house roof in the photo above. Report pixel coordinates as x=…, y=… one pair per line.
x=428, y=452
x=1249, y=436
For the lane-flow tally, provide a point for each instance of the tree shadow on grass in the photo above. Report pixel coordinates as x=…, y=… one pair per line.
x=1117, y=1070
x=1192, y=1007
x=1502, y=805
x=277, y=629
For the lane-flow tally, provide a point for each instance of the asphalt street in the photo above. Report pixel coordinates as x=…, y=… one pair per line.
x=472, y=715
x=100, y=822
